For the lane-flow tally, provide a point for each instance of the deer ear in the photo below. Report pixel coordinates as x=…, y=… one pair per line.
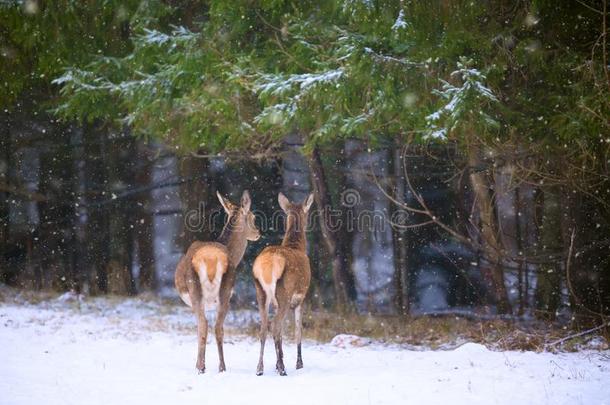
x=246, y=201
x=226, y=204
x=308, y=202
x=284, y=203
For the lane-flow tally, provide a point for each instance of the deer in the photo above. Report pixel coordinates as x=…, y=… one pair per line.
x=281, y=276
x=205, y=275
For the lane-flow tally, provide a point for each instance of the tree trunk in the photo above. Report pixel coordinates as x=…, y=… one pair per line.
x=79, y=215
x=120, y=272
x=346, y=233
x=583, y=222
x=480, y=179
x=52, y=247
x=548, y=286
x=144, y=228
x=343, y=279
x=6, y=275
x=97, y=227
x=399, y=236
x=196, y=194
x=519, y=245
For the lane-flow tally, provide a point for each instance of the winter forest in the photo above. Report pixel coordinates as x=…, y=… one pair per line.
x=420, y=190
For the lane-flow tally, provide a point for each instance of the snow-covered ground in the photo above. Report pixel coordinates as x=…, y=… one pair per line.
x=138, y=352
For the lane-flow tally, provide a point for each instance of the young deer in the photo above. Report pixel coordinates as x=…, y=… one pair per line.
x=206, y=273
x=282, y=275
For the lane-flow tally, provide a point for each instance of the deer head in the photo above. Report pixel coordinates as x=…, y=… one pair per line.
x=240, y=219
x=296, y=220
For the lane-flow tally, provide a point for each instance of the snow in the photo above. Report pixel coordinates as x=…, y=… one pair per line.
x=343, y=341
x=472, y=94
x=351, y=7
x=294, y=88
x=400, y=22
x=154, y=37
x=73, y=350
x=277, y=85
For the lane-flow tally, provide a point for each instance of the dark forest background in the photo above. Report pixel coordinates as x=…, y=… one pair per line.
x=481, y=128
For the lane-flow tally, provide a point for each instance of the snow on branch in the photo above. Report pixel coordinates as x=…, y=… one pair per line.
x=79, y=79
x=279, y=85
x=290, y=89
x=464, y=102
x=400, y=23
x=353, y=7
x=381, y=58
x=154, y=37
x=179, y=35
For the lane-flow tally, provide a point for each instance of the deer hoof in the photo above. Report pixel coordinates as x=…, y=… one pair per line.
x=259, y=372
x=299, y=365
x=201, y=370
x=222, y=368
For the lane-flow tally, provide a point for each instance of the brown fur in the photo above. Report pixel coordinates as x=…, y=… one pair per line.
x=228, y=251
x=269, y=266
x=208, y=257
x=282, y=275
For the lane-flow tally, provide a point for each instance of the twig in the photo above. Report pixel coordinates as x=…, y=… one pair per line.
x=605, y=41
x=579, y=334
x=589, y=7
x=568, y=267
x=577, y=300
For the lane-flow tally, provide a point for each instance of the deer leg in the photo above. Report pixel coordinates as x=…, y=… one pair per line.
x=263, y=308
x=219, y=332
x=195, y=297
x=202, y=337
x=278, y=322
x=298, y=332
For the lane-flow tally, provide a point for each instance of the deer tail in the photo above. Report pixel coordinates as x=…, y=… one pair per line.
x=268, y=269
